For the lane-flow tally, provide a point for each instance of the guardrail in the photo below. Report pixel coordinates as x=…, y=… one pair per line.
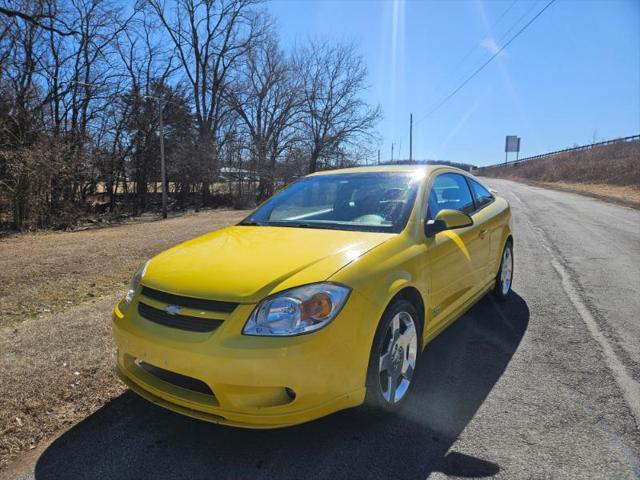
x=566, y=150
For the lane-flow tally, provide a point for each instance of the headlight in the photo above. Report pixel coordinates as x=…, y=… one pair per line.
x=135, y=283
x=299, y=310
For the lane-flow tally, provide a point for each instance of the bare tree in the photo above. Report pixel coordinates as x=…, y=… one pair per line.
x=82, y=83
x=267, y=97
x=209, y=38
x=21, y=120
x=334, y=78
x=147, y=66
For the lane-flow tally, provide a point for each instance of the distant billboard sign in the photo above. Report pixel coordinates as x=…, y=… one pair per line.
x=512, y=143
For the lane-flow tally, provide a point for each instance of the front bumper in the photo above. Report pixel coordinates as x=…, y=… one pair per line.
x=251, y=378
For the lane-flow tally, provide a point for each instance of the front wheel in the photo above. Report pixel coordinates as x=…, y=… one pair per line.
x=505, y=273
x=393, y=357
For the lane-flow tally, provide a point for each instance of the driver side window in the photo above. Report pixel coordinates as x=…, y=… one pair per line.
x=449, y=191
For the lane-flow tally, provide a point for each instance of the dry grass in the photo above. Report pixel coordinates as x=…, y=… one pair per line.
x=609, y=172
x=45, y=273
x=629, y=196
x=56, y=295
x=54, y=371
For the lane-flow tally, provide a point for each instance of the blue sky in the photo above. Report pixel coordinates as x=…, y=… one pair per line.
x=573, y=75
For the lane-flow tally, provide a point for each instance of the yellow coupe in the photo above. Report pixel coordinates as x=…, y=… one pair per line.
x=320, y=300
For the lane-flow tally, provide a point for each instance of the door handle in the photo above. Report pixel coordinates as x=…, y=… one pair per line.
x=483, y=233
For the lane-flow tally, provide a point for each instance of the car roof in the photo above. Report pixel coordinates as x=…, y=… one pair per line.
x=408, y=168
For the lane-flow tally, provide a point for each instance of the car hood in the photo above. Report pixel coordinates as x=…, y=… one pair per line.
x=246, y=263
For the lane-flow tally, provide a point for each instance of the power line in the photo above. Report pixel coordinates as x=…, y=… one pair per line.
x=481, y=67
x=493, y=25
x=504, y=13
x=522, y=17
x=505, y=35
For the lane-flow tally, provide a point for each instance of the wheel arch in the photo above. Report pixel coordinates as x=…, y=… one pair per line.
x=507, y=236
x=413, y=296
x=509, y=239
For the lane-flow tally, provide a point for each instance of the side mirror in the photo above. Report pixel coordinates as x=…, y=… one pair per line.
x=447, y=220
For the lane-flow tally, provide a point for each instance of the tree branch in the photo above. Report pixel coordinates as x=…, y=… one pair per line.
x=36, y=20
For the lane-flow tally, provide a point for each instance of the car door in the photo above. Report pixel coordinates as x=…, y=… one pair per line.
x=486, y=225
x=450, y=254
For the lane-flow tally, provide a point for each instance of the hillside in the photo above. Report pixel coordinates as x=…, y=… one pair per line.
x=611, y=172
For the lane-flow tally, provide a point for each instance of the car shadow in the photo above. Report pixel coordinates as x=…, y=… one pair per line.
x=132, y=438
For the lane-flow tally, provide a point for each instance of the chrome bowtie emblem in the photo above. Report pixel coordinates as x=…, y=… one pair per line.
x=172, y=309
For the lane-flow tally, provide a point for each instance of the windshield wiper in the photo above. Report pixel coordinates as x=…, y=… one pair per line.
x=317, y=226
x=302, y=225
x=252, y=223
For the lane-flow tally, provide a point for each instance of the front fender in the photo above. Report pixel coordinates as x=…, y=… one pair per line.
x=381, y=273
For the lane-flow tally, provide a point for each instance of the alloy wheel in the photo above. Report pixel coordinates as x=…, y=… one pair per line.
x=398, y=357
x=507, y=270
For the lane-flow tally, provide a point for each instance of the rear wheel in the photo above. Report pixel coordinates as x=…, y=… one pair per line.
x=505, y=274
x=393, y=357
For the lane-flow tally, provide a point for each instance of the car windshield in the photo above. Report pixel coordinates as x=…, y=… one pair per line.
x=374, y=201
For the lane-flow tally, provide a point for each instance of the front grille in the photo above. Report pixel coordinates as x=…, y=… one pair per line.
x=189, y=302
x=176, y=379
x=182, y=322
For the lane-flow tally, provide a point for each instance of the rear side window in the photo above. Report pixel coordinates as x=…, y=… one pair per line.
x=450, y=191
x=481, y=195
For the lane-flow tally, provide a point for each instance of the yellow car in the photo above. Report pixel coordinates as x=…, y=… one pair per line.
x=320, y=300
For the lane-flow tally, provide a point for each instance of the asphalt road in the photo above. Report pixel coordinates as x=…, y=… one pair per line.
x=543, y=386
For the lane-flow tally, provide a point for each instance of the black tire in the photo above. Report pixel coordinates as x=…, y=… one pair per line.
x=502, y=290
x=376, y=397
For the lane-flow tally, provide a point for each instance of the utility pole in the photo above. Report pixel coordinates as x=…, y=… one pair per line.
x=378, y=156
x=163, y=172
x=392, y=151
x=410, y=137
